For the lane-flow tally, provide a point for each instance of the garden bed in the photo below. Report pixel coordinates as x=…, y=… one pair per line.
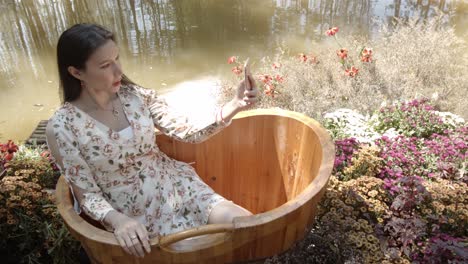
x=399, y=186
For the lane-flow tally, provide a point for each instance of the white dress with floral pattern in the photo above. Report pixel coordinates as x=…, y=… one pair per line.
x=130, y=174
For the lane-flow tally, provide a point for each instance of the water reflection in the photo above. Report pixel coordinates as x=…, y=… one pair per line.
x=165, y=42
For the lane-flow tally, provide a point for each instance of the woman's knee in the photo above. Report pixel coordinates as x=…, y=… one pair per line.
x=225, y=212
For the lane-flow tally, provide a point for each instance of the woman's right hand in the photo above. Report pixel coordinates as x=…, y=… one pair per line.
x=131, y=234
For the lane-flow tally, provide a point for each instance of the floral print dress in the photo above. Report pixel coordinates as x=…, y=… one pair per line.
x=130, y=174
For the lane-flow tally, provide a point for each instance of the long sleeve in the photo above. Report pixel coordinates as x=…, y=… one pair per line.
x=78, y=173
x=177, y=126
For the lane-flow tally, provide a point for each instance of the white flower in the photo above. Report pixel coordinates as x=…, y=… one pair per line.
x=353, y=124
x=391, y=133
x=450, y=118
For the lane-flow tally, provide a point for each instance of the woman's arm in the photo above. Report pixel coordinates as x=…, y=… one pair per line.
x=90, y=198
x=182, y=128
x=77, y=173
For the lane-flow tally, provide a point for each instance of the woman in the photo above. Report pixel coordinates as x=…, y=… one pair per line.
x=103, y=138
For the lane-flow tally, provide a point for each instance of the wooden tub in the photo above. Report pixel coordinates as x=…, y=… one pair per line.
x=275, y=163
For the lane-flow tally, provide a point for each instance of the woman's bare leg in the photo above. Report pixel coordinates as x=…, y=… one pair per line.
x=225, y=212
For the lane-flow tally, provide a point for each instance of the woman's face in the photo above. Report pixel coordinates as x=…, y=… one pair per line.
x=103, y=71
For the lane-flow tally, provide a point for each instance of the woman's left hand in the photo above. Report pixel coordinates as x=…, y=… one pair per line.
x=247, y=92
x=245, y=97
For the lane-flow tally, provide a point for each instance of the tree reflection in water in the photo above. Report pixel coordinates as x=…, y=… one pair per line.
x=182, y=39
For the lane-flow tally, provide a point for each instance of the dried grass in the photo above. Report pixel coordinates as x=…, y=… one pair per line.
x=414, y=59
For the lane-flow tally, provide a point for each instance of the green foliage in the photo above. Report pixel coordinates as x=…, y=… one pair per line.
x=32, y=231
x=415, y=118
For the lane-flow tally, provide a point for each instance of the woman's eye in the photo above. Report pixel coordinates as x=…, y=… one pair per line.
x=105, y=66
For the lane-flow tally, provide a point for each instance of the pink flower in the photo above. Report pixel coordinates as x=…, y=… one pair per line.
x=269, y=90
x=108, y=149
x=331, y=31
x=276, y=65
x=342, y=53
x=302, y=57
x=237, y=70
x=74, y=171
x=366, y=55
x=232, y=59
x=279, y=78
x=265, y=78
x=351, y=72
x=130, y=160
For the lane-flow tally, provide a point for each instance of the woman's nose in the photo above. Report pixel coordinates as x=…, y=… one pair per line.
x=118, y=68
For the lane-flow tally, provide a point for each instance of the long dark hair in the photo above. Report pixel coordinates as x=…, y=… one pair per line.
x=74, y=47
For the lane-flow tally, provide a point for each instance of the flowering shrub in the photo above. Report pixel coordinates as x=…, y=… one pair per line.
x=344, y=153
x=7, y=151
x=397, y=197
x=348, y=63
x=365, y=162
x=351, y=213
x=269, y=81
x=45, y=171
x=447, y=155
x=30, y=227
x=346, y=123
x=407, y=61
x=413, y=118
x=422, y=211
x=443, y=248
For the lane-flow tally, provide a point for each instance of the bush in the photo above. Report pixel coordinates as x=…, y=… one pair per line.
x=413, y=60
x=414, y=118
x=31, y=229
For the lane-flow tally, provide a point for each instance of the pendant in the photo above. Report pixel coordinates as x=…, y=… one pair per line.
x=115, y=112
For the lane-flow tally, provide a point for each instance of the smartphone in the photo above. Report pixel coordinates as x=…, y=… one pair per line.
x=246, y=78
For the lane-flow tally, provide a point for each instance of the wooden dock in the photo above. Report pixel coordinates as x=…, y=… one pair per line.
x=38, y=136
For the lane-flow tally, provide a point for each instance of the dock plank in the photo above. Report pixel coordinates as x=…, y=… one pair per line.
x=38, y=136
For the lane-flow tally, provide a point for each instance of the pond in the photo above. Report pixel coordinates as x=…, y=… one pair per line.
x=163, y=42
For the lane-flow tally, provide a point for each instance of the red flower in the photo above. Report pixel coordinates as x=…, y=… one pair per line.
x=232, y=59
x=366, y=55
x=276, y=65
x=8, y=156
x=279, y=78
x=302, y=57
x=342, y=53
x=332, y=31
x=265, y=78
x=351, y=72
x=270, y=90
x=9, y=147
x=237, y=70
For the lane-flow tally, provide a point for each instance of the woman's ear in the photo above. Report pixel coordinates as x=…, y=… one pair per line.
x=75, y=72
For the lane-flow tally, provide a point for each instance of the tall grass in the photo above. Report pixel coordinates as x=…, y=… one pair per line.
x=414, y=59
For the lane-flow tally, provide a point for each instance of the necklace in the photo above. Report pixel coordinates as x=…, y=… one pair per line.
x=114, y=111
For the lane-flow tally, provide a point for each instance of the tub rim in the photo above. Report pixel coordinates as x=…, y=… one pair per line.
x=90, y=232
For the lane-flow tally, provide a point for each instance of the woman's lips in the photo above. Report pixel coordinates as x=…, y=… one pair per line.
x=116, y=83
